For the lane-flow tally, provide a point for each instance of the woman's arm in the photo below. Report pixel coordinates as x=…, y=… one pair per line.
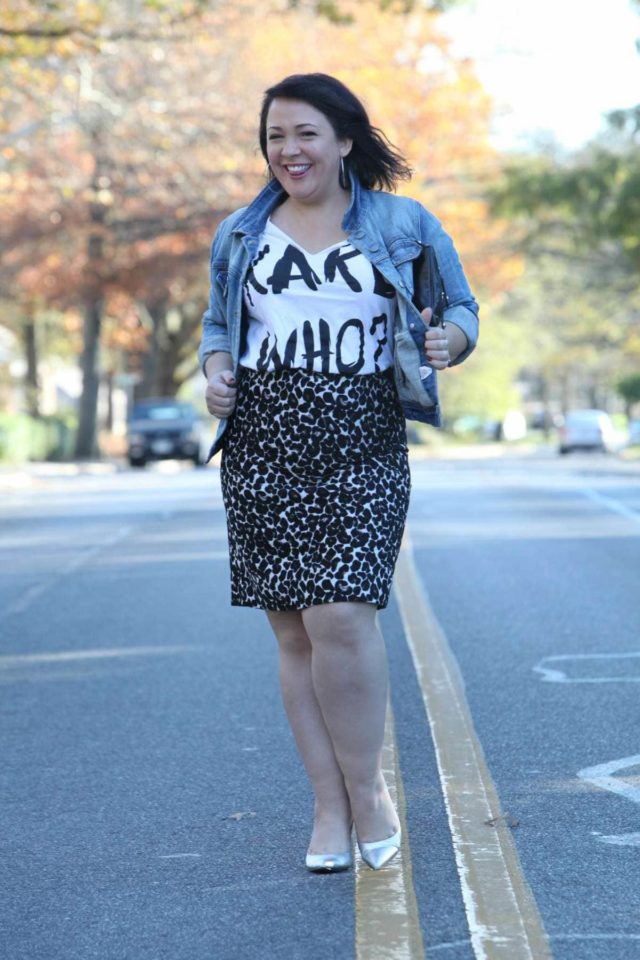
x=443, y=345
x=461, y=312
x=220, y=395
x=215, y=333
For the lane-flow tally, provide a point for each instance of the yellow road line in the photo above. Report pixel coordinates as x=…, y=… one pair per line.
x=387, y=924
x=502, y=914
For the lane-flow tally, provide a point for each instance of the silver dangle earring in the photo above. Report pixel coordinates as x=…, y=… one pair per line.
x=342, y=176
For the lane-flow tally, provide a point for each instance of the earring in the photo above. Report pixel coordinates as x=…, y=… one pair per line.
x=343, y=180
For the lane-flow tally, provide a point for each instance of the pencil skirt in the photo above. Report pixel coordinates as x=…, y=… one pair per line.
x=315, y=480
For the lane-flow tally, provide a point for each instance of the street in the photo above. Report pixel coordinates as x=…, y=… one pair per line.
x=153, y=803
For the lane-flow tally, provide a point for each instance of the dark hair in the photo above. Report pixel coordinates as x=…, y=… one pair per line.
x=373, y=159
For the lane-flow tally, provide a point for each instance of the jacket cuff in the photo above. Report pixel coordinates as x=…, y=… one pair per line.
x=467, y=321
x=216, y=344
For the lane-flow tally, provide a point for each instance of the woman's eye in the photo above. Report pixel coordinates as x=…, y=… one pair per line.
x=274, y=136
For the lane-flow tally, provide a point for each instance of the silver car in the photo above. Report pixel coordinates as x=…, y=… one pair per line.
x=166, y=429
x=587, y=430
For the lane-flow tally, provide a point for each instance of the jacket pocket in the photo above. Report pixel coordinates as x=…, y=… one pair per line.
x=415, y=380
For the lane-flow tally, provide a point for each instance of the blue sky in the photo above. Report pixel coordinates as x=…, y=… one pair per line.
x=551, y=65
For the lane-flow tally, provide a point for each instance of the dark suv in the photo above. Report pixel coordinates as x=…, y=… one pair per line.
x=166, y=429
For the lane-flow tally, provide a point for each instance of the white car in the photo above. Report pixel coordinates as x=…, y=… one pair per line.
x=587, y=430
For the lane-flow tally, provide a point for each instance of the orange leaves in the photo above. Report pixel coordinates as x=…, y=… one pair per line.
x=431, y=105
x=159, y=140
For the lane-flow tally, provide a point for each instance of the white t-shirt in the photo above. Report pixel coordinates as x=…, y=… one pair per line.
x=326, y=312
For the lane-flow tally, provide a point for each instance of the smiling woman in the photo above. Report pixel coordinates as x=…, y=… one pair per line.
x=313, y=347
x=306, y=157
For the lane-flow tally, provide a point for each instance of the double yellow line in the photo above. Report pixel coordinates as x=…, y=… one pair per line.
x=503, y=919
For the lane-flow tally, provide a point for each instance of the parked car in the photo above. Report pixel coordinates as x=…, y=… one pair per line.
x=587, y=430
x=166, y=429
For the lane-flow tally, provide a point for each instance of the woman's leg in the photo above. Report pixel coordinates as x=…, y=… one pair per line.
x=332, y=820
x=350, y=680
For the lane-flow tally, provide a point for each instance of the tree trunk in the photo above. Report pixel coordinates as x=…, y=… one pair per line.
x=156, y=313
x=31, y=376
x=86, y=445
x=86, y=439
x=167, y=361
x=545, y=395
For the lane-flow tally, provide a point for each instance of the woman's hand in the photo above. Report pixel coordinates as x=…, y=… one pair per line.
x=220, y=394
x=436, y=343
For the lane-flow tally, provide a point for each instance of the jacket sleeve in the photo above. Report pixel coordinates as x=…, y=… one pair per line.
x=215, y=332
x=462, y=308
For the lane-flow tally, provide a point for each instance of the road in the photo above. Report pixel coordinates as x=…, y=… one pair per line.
x=153, y=805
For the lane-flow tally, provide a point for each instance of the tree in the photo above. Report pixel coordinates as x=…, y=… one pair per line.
x=629, y=390
x=578, y=218
x=128, y=137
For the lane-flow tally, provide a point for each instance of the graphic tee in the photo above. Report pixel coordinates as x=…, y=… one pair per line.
x=326, y=312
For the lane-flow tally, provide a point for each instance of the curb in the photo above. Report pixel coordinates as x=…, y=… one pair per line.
x=23, y=476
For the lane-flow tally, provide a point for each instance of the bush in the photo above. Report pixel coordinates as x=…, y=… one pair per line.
x=29, y=438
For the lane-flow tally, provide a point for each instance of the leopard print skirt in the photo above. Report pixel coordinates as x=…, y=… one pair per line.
x=315, y=480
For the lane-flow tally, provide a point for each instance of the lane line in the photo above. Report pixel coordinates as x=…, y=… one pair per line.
x=614, y=505
x=32, y=593
x=387, y=921
x=11, y=661
x=502, y=914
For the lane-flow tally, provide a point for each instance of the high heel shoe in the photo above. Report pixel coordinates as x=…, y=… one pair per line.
x=329, y=862
x=380, y=852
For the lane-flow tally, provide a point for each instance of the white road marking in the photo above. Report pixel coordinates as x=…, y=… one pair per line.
x=619, y=840
x=602, y=776
x=36, y=590
x=612, y=504
x=124, y=559
x=503, y=918
x=177, y=856
x=555, y=674
x=66, y=656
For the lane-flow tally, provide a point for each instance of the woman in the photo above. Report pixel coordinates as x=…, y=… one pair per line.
x=312, y=348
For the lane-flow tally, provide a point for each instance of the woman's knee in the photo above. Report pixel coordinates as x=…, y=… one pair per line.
x=340, y=623
x=290, y=632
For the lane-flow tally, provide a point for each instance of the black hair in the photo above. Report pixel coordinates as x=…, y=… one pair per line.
x=373, y=159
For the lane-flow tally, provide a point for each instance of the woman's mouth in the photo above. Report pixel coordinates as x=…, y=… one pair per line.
x=296, y=170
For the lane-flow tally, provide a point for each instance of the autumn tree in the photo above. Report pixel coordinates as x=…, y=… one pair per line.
x=132, y=131
x=576, y=218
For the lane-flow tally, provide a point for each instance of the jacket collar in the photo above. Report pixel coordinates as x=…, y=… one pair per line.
x=254, y=217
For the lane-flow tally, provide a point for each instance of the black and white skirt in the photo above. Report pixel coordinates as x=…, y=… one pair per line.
x=315, y=480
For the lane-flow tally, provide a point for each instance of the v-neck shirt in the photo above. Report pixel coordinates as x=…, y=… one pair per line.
x=324, y=312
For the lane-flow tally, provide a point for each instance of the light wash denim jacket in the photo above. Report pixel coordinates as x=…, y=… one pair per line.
x=391, y=232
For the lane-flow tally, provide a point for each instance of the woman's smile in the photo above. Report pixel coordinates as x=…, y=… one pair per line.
x=296, y=170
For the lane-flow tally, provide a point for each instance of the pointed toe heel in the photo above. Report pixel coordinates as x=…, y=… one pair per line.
x=380, y=852
x=328, y=862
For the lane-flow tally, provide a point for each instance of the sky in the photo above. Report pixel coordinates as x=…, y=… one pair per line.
x=551, y=65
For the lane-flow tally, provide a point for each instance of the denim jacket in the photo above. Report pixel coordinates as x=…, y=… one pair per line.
x=391, y=232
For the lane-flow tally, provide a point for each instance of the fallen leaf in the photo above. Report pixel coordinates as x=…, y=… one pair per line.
x=506, y=818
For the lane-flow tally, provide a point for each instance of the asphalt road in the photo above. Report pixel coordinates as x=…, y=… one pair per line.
x=153, y=805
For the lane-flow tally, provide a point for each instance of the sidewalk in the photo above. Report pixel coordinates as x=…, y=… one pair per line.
x=15, y=478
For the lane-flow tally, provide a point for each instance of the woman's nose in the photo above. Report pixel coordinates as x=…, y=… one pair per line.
x=290, y=147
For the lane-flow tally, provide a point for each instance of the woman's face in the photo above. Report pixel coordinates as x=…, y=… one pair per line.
x=303, y=151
